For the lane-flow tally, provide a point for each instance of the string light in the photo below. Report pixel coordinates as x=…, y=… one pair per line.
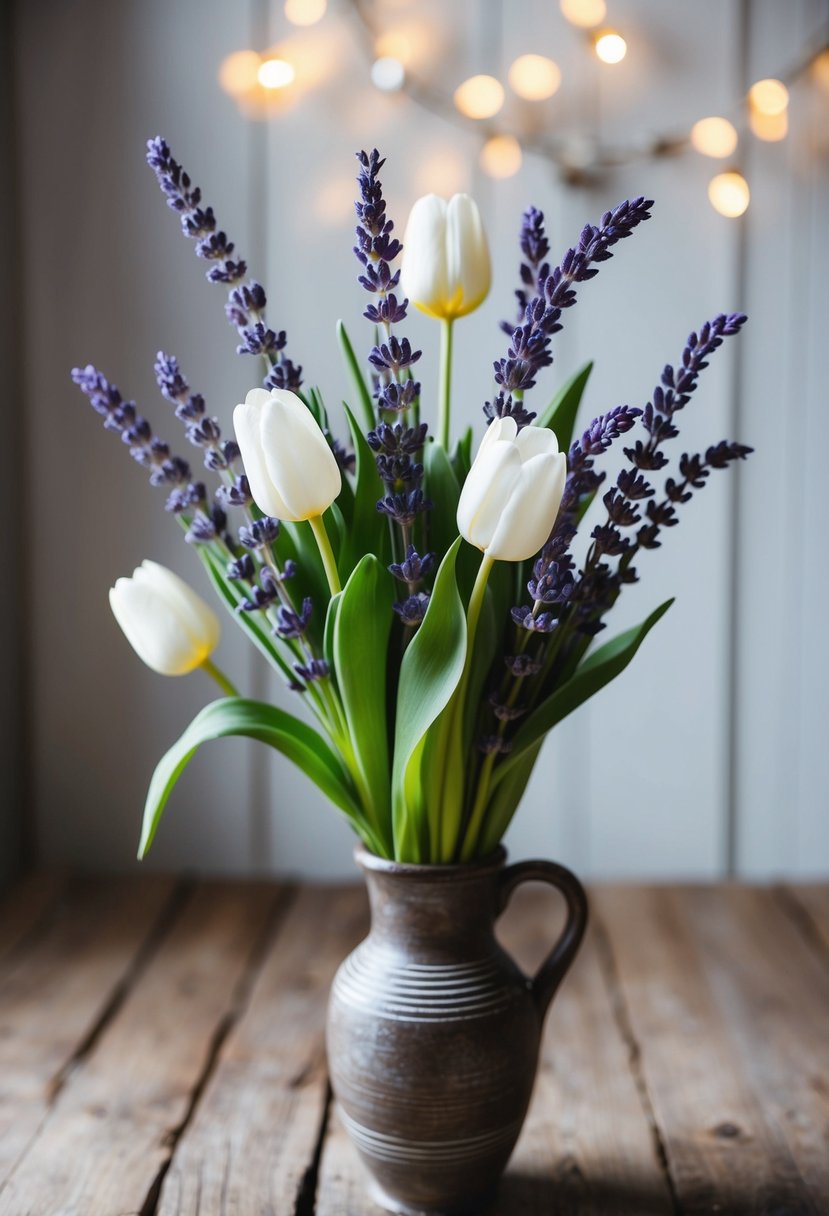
x=479, y=96
x=714, y=137
x=239, y=72
x=585, y=13
x=534, y=77
x=820, y=71
x=501, y=156
x=305, y=12
x=275, y=74
x=388, y=74
x=769, y=127
x=768, y=97
x=729, y=194
x=610, y=46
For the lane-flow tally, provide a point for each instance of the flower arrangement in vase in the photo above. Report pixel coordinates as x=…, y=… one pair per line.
x=436, y=616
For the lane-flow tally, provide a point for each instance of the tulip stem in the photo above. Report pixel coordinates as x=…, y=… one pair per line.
x=326, y=553
x=230, y=690
x=445, y=396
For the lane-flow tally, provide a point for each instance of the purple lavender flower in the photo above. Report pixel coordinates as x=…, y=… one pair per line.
x=535, y=247
x=413, y=609
x=292, y=624
x=314, y=669
x=414, y=568
x=245, y=308
x=259, y=533
x=529, y=349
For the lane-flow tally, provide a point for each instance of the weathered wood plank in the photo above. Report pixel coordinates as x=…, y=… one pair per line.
x=702, y=1017
x=25, y=907
x=250, y=1149
x=813, y=900
x=587, y=1147
x=107, y=1136
x=54, y=994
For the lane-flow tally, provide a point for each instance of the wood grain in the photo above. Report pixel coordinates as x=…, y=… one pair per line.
x=107, y=1135
x=54, y=996
x=25, y=909
x=251, y=1148
x=680, y=958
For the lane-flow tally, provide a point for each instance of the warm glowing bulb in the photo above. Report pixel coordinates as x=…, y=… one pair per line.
x=769, y=127
x=534, y=77
x=305, y=12
x=768, y=97
x=275, y=74
x=479, y=97
x=610, y=46
x=728, y=193
x=388, y=74
x=501, y=156
x=239, y=72
x=584, y=13
x=714, y=137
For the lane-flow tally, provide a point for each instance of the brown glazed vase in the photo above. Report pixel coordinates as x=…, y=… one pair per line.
x=433, y=1031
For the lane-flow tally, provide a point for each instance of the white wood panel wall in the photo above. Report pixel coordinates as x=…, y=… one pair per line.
x=710, y=751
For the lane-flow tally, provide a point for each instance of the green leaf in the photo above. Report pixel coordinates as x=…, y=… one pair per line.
x=232, y=596
x=462, y=458
x=360, y=386
x=367, y=531
x=296, y=543
x=597, y=670
x=441, y=486
x=253, y=720
x=313, y=399
x=429, y=674
x=504, y=802
x=328, y=636
x=361, y=639
x=560, y=414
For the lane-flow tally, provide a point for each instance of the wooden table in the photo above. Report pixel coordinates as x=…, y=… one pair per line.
x=161, y=1052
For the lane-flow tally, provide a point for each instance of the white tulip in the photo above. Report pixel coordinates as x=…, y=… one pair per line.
x=291, y=469
x=445, y=270
x=166, y=623
x=511, y=497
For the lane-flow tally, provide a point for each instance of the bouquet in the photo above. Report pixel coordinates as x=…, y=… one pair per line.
x=436, y=612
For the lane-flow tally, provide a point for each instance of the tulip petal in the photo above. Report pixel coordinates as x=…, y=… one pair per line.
x=298, y=460
x=157, y=635
x=528, y=516
x=246, y=426
x=491, y=481
x=469, y=273
x=536, y=440
x=200, y=620
x=423, y=268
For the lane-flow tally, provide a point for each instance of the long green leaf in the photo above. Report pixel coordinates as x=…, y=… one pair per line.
x=361, y=388
x=560, y=414
x=253, y=720
x=361, y=637
x=504, y=802
x=597, y=670
x=441, y=487
x=367, y=531
x=429, y=675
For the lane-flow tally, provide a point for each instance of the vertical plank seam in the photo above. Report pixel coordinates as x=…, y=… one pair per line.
x=732, y=782
x=159, y=930
x=306, y=1196
x=621, y=1016
x=237, y=1005
x=800, y=916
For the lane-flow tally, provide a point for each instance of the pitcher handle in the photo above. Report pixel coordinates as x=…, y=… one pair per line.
x=552, y=971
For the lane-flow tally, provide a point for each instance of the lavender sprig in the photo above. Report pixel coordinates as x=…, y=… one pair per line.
x=397, y=446
x=529, y=349
x=534, y=245
x=246, y=303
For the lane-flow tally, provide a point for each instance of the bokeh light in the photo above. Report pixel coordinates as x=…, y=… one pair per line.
x=585, y=13
x=501, y=156
x=769, y=127
x=729, y=194
x=479, y=97
x=388, y=74
x=276, y=74
x=305, y=12
x=239, y=72
x=534, y=77
x=714, y=137
x=610, y=46
x=768, y=97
